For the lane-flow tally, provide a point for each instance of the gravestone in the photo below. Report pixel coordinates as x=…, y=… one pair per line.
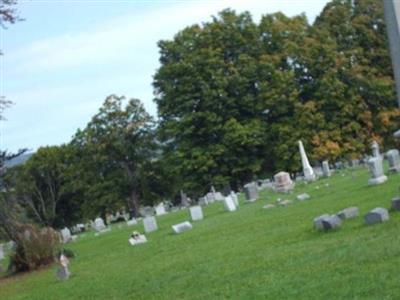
x=203, y=201
x=396, y=203
x=307, y=169
x=210, y=197
x=146, y=211
x=182, y=227
x=318, y=221
x=303, y=197
x=348, y=213
x=160, y=209
x=131, y=222
x=377, y=215
x=218, y=196
x=99, y=224
x=376, y=171
x=283, y=183
x=229, y=204
x=250, y=191
x=66, y=235
x=375, y=149
x=184, y=200
x=196, y=213
x=326, y=172
x=150, y=224
x=137, y=239
x=327, y=222
x=283, y=202
x=235, y=198
x=63, y=272
x=393, y=160
x=268, y=206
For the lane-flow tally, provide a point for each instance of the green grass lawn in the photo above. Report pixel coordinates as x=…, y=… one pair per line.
x=252, y=253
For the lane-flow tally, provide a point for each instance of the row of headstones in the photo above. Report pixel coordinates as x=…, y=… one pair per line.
x=376, y=215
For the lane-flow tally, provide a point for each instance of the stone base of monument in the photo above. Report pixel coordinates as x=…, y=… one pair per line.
x=378, y=180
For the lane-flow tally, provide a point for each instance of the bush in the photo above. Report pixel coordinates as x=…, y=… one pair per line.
x=35, y=247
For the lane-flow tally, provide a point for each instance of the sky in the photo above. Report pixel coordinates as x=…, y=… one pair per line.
x=67, y=56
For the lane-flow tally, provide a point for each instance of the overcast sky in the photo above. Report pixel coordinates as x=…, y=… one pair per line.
x=67, y=56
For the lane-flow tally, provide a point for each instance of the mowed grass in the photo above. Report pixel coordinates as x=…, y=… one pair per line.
x=252, y=253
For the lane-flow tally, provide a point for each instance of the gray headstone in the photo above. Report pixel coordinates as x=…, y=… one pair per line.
x=396, y=203
x=150, y=224
x=63, y=273
x=184, y=200
x=99, y=224
x=203, y=201
x=377, y=215
x=146, y=211
x=348, y=213
x=376, y=171
x=251, y=192
x=326, y=172
x=393, y=160
x=318, y=221
x=2, y=252
x=331, y=222
x=196, y=213
x=66, y=235
x=235, y=198
x=283, y=182
x=182, y=227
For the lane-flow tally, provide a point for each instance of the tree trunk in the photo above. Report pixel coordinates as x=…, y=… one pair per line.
x=135, y=203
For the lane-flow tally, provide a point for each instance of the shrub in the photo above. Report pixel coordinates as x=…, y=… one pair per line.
x=35, y=247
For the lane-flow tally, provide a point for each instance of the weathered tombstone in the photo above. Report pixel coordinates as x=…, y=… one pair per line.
x=348, y=213
x=326, y=172
x=210, y=197
x=376, y=171
x=184, y=200
x=394, y=160
x=377, y=215
x=396, y=203
x=66, y=235
x=268, y=206
x=284, y=202
x=63, y=272
x=150, y=224
x=318, y=221
x=182, y=227
x=196, y=213
x=375, y=149
x=160, y=209
x=303, y=197
x=283, y=183
x=229, y=204
x=137, y=238
x=99, y=224
x=307, y=169
x=250, y=191
x=218, y=196
x=235, y=198
x=332, y=222
x=146, y=211
x=327, y=222
x=203, y=201
x=131, y=222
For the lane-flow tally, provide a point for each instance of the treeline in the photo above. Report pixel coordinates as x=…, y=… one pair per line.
x=233, y=97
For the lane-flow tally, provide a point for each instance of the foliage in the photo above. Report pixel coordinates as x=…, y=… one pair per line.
x=234, y=97
x=35, y=247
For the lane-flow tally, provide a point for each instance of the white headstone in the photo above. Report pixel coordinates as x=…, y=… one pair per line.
x=229, y=204
x=160, y=209
x=393, y=160
x=131, y=222
x=2, y=252
x=182, y=227
x=196, y=213
x=251, y=191
x=376, y=171
x=150, y=224
x=66, y=235
x=203, y=201
x=307, y=169
x=283, y=183
x=235, y=198
x=140, y=239
x=326, y=172
x=99, y=224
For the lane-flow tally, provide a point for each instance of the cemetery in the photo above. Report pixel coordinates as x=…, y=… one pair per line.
x=224, y=251
x=271, y=172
